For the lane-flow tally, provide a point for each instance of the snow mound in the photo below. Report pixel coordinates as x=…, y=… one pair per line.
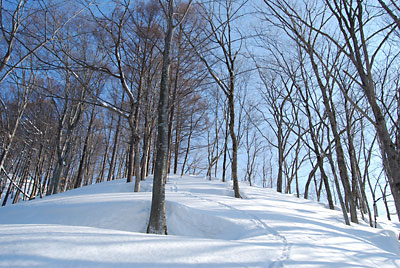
x=104, y=225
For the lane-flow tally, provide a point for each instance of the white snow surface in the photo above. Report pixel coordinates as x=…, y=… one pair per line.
x=104, y=225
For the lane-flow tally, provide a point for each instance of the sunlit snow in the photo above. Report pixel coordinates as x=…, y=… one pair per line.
x=104, y=225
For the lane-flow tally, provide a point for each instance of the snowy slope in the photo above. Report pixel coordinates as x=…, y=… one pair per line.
x=103, y=226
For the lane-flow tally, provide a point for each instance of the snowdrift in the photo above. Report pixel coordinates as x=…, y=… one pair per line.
x=104, y=225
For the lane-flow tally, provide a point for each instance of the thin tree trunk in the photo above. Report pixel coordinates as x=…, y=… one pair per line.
x=104, y=162
x=224, y=161
x=121, y=166
x=137, y=167
x=111, y=171
x=78, y=181
x=279, y=180
x=339, y=193
x=355, y=171
x=136, y=146
x=234, y=145
x=177, y=140
x=310, y=177
x=188, y=145
x=23, y=177
x=320, y=162
x=174, y=102
x=48, y=171
x=130, y=159
x=144, y=160
x=147, y=143
x=338, y=145
x=38, y=171
x=14, y=177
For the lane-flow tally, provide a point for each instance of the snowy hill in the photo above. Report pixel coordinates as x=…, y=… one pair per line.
x=103, y=226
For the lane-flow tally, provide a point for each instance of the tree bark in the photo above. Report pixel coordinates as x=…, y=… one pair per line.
x=111, y=175
x=338, y=145
x=356, y=43
x=234, y=174
x=320, y=162
x=130, y=159
x=78, y=181
x=157, y=221
x=339, y=193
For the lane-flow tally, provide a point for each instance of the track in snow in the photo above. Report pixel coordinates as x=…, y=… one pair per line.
x=285, y=253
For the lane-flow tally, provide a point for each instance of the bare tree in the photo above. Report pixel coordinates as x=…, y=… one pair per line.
x=353, y=22
x=392, y=8
x=301, y=26
x=13, y=17
x=276, y=96
x=157, y=221
x=221, y=62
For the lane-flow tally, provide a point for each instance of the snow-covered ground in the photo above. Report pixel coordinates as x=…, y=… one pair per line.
x=104, y=225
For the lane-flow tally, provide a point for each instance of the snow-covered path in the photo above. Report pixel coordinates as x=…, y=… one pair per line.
x=251, y=229
x=103, y=226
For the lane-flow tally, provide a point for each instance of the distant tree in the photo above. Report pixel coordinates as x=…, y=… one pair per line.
x=130, y=37
x=221, y=61
x=298, y=23
x=19, y=43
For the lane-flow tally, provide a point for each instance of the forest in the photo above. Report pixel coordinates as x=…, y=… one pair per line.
x=300, y=96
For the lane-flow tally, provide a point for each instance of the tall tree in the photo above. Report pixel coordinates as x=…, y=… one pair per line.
x=353, y=20
x=324, y=59
x=220, y=16
x=157, y=221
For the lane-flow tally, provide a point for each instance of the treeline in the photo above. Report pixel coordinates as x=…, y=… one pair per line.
x=304, y=95
x=80, y=94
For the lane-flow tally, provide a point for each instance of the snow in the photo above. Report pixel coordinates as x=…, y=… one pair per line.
x=104, y=225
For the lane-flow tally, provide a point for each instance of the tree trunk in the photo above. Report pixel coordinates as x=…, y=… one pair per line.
x=157, y=221
x=38, y=171
x=103, y=164
x=120, y=172
x=310, y=177
x=225, y=151
x=279, y=180
x=130, y=160
x=111, y=174
x=320, y=161
x=338, y=145
x=23, y=177
x=355, y=169
x=174, y=103
x=55, y=178
x=390, y=155
x=48, y=171
x=177, y=140
x=136, y=148
x=188, y=145
x=144, y=160
x=137, y=167
x=339, y=193
x=234, y=144
x=147, y=141
x=14, y=177
x=78, y=181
